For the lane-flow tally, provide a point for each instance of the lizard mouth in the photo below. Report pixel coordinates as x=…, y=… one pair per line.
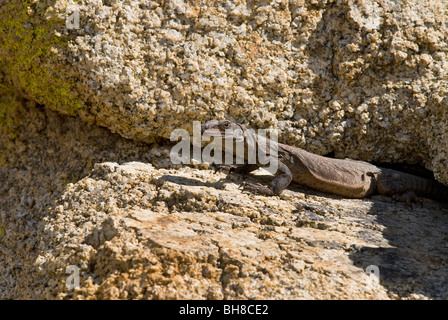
x=213, y=129
x=210, y=132
x=208, y=126
x=209, y=129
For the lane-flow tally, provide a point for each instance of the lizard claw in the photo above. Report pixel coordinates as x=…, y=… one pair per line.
x=256, y=188
x=223, y=167
x=216, y=168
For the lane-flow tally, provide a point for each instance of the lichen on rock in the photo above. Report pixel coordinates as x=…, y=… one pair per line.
x=29, y=42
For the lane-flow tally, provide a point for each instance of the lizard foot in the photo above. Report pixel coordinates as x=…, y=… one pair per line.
x=408, y=198
x=224, y=167
x=257, y=188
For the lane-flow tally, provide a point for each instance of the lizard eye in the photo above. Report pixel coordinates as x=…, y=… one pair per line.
x=226, y=125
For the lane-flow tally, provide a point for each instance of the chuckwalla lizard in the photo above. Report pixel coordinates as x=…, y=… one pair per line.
x=345, y=177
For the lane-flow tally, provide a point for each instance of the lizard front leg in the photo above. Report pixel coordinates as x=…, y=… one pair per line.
x=282, y=179
x=408, y=197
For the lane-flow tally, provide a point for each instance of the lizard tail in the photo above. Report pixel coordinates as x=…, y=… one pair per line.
x=428, y=188
x=437, y=191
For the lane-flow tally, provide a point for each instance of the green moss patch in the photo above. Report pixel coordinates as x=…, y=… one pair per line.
x=28, y=44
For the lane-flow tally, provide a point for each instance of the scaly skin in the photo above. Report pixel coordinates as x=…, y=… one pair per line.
x=344, y=177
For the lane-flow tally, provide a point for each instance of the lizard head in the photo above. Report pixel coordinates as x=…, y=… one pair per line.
x=222, y=128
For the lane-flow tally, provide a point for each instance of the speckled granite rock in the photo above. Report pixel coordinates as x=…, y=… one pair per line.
x=364, y=79
x=73, y=194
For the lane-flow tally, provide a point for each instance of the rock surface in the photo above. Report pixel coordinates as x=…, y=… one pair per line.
x=331, y=75
x=73, y=194
x=364, y=79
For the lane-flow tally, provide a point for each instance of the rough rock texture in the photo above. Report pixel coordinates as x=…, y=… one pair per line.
x=364, y=79
x=331, y=75
x=73, y=194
